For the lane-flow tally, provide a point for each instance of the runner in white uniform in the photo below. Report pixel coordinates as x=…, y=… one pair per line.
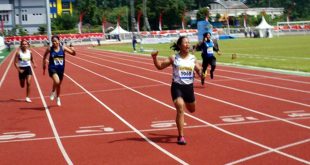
x=23, y=60
x=182, y=90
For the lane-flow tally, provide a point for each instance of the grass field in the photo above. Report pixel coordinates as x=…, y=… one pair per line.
x=285, y=52
x=3, y=54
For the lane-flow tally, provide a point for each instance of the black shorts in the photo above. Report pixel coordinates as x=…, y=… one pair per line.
x=208, y=61
x=184, y=91
x=27, y=71
x=59, y=72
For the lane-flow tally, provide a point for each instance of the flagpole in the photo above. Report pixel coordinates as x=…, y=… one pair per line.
x=48, y=21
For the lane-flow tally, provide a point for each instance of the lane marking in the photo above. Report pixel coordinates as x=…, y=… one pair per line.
x=51, y=122
x=7, y=70
x=255, y=75
x=267, y=152
x=191, y=116
x=149, y=130
x=223, y=86
x=99, y=91
x=19, y=132
x=92, y=129
x=124, y=121
x=199, y=94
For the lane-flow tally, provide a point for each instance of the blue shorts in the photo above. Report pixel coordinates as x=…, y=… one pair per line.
x=58, y=71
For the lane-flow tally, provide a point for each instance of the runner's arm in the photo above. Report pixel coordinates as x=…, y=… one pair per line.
x=161, y=64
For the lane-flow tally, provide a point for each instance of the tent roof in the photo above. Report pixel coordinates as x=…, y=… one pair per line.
x=263, y=24
x=118, y=30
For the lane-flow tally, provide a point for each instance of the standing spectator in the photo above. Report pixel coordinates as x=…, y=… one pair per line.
x=134, y=42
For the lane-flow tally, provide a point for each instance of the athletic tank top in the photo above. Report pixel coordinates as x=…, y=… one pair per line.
x=57, y=59
x=183, y=69
x=24, y=58
x=208, y=49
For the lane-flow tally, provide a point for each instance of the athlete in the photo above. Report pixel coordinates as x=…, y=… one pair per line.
x=208, y=46
x=56, y=65
x=182, y=91
x=23, y=60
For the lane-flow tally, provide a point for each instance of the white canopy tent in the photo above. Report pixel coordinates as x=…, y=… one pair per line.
x=264, y=29
x=120, y=32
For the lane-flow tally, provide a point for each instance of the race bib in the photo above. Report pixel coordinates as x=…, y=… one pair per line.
x=210, y=50
x=186, y=74
x=58, y=61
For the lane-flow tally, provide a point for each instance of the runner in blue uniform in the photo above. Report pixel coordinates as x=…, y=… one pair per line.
x=207, y=46
x=182, y=90
x=23, y=60
x=56, y=65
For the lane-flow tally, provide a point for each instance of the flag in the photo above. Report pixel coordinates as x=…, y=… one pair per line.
x=183, y=21
x=103, y=26
x=244, y=21
x=160, y=21
x=81, y=21
x=118, y=24
x=138, y=21
x=2, y=26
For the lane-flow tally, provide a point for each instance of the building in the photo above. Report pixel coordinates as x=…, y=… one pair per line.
x=30, y=14
x=235, y=8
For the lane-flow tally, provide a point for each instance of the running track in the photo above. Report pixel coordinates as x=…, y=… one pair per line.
x=116, y=109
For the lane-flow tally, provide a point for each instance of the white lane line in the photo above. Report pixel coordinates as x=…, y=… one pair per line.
x=98, y=91
x=19, y=132
x=95, y=126
x=50, y=119
x=191, y=116
x=122, y=119
x=202, y=95
x=230, y=116
x=7, y=70
x=139, y=57
x=263, y=76
x=147, y=130
x=264, y=84
x=267, y=152
x=223, y=86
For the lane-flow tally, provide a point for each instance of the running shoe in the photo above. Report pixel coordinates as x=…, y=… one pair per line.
x=52, y=96
x=58, y=101
x=203, y=76
x=28, y=100
x=181, y=140
x=211, y=75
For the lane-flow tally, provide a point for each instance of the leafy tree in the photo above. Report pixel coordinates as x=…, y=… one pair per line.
x=202, y=14
x=42, y=29
x=64, y=22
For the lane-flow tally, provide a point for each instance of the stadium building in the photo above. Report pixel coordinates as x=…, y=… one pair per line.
x=30, y=14
x=235, y=8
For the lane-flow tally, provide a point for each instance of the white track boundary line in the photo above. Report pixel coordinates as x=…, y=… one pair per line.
x=50, y=119
x=124, y=121
x=7, y=70
x=144, y=130
x=212, y=98
x=223, y=86
x=198, y=119
x=267, y=152
x=269, y=70
x=263, y=76
x=6, y=58
x=230, y=78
